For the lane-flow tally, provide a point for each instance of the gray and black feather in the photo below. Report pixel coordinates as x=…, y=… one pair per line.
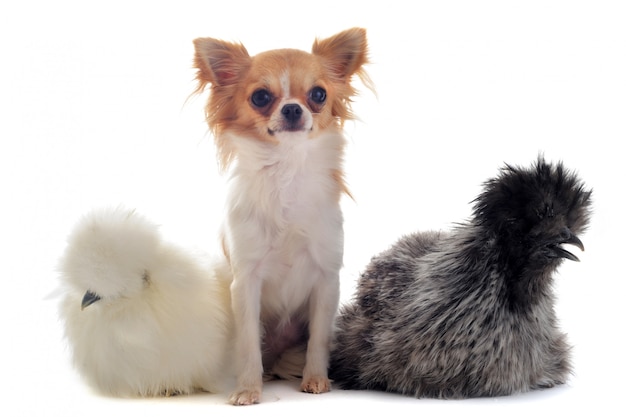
x=469, y=312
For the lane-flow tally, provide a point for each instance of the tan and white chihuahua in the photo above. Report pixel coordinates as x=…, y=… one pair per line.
x=277, y=119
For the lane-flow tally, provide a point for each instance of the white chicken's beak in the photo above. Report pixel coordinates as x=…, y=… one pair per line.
x=89, y=299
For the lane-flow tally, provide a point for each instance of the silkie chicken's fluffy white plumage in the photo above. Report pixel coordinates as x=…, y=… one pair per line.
x=142, y=317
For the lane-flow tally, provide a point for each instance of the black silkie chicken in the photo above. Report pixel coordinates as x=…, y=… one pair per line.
x=470, y=312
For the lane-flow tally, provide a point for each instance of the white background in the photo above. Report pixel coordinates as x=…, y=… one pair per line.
x=94, y=112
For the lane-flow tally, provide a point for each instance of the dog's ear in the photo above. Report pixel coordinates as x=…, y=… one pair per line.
x=218, y=62
x=344, y=54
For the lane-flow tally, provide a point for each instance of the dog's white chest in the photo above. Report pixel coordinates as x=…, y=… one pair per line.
x=285, y=227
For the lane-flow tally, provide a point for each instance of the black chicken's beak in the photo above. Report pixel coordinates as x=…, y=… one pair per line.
x=570, y=239
x=89, y=299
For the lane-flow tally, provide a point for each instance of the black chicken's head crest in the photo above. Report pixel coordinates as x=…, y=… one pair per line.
x=526, y=202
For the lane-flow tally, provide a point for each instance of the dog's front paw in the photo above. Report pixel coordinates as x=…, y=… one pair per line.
x=245, y=397
x=315, y=385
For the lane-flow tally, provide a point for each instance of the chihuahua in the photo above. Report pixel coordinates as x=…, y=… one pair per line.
x=277, y=119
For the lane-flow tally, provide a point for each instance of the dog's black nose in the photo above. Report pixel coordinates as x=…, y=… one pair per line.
x=291, y=112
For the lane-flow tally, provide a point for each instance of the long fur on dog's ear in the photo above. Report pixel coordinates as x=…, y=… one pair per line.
x=345, y=55
x=219, y=62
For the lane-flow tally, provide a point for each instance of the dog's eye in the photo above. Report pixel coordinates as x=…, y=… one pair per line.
x=318, y=95
x=261, y=98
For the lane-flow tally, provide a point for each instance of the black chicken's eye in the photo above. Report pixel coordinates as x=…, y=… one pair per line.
x=261, y=98
x=318, y=95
